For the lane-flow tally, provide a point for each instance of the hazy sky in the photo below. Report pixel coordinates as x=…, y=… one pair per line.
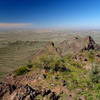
x=50, y=13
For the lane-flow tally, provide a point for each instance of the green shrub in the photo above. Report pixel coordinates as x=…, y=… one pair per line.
x=91, y=56
x=95, y=73
x=97, y=86
x=21, y=70
x=76, y=64
x=30, y=65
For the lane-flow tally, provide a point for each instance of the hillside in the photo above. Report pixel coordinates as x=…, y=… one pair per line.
x=11, y=58
x=57, y=72
x=17, y=53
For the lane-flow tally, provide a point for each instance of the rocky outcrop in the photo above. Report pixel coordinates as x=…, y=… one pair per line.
x=71, y=45
x=24, y=92
x=76, y=44
x=6, y=88
x=89, y=43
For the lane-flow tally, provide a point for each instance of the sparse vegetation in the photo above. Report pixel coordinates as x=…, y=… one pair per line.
x=91, y=56
x=21, y=70
x=29, y=65
x=16, y=54
x=95, y=73
x=69, y=73
x=63, y=74
x=74, y=76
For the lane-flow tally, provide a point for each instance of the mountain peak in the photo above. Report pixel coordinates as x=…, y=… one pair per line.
x=89, y=43
x=76, y=44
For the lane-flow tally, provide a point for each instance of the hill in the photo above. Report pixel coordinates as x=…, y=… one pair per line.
x=76, y=44
x=55, y=74
x=17, y=53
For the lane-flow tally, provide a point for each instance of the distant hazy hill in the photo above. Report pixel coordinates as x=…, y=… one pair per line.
x=53, y=35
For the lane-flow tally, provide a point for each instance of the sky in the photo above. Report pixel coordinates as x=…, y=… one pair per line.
x=49, y=14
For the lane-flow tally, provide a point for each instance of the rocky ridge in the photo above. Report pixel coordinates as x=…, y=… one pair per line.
x=29, y=87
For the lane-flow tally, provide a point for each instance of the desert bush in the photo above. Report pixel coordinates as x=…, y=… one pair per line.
x=91, y=55
x=29, y=65
x=21, y=70
x=95, y=73
x=76, y=64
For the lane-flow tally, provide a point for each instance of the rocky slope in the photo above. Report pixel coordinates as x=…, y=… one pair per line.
x=55, y=75
x=76, y=44
x=71, y=45
x=48, y=49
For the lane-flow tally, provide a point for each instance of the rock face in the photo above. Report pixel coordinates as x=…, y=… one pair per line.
x=76, y=44
x=89, y=43
x=6, y=89
x=23, y=92
x=71, y=45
